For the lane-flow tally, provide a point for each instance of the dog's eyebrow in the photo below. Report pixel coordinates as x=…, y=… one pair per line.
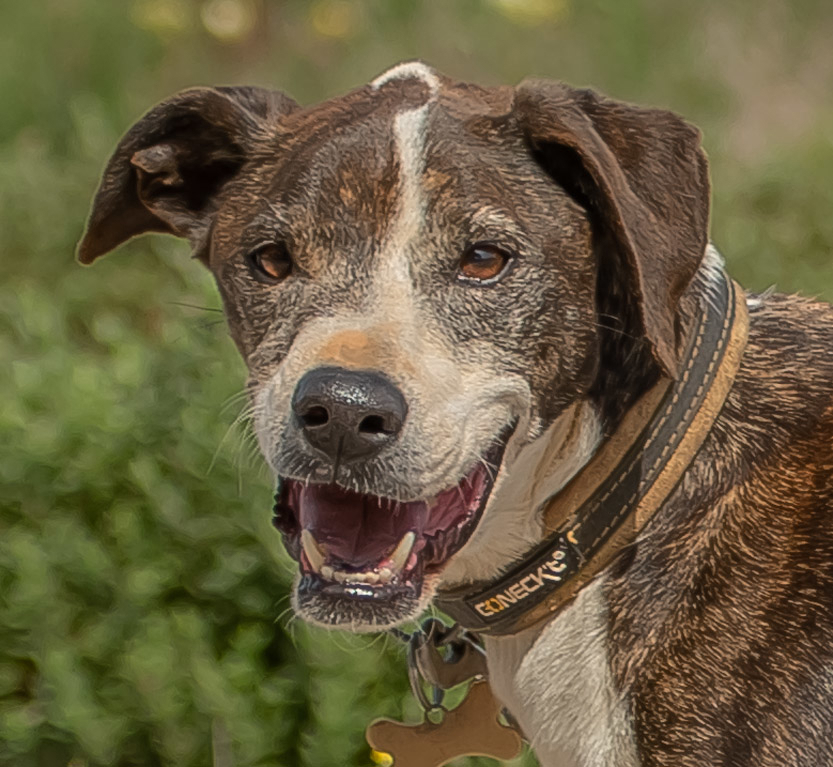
x=490, y=217
x=271, y=223
x=272, y=219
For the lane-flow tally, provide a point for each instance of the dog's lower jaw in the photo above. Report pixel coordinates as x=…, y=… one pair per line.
x=555, y=679
x=342, y=615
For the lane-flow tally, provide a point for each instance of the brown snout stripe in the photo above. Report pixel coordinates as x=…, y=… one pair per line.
x=372, y=349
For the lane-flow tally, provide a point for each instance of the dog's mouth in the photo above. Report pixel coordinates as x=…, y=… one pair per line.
x=371, y=549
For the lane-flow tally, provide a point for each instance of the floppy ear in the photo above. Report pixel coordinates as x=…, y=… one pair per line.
x=168, y=170
x=644, y=175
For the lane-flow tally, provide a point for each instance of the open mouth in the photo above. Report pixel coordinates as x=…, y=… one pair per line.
x=369, y=548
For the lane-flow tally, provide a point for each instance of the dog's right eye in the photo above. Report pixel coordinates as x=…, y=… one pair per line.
x=270, y=263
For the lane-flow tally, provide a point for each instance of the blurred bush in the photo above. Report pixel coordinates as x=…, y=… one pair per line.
x=144, y=614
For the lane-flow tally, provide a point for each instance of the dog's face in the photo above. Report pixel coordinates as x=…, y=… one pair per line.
x=412, y=274
x=435, y=301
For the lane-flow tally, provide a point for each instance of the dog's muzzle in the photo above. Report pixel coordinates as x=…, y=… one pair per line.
x=361, y=550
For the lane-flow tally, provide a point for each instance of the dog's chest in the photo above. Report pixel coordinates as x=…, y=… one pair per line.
x=557, y=683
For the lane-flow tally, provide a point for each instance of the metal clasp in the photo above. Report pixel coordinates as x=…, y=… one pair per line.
x=444, y=657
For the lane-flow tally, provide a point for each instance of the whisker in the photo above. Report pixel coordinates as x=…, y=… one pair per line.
x=196, y=306
x=612, y=317
x=244, y=413
x=234, y=399
x=615, y=330
x=207, y=325
x=283, y=613
x=490, y=468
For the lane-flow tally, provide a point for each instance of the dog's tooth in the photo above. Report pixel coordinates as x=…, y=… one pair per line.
x=400, y=554
x=314, y=554
x=370, y=577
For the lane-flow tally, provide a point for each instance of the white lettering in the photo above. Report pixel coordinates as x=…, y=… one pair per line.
x=537, y=582
x=521, y=589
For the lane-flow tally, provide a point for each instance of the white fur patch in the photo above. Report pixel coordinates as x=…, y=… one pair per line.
x=394, y=282
x=557, y=683
x=511, y=524
x=712, y=260
x=409, y=70
x=409, y=130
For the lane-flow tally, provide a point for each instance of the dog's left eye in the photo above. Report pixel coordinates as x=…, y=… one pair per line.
x=270, y=263
x=483, y=262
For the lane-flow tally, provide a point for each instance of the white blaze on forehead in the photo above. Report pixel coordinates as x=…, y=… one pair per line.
x=409, y=135
x=409, y=70
x=409, y=132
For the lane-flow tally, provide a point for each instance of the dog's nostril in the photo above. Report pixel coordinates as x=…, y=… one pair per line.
x=374, y=424
x=315, y=416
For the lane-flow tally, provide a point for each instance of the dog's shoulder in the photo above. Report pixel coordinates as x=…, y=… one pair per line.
x=790, y=328
x=727, y=598
x=783, y=393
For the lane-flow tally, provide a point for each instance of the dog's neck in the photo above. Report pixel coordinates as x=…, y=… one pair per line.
x=554, y=677
x=557, y=683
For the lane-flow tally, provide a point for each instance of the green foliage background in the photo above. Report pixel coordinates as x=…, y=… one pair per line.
x=143, y=608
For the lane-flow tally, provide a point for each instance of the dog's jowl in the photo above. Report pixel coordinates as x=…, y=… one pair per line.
x=495, y=362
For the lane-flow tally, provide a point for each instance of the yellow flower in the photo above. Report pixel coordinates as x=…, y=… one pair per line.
x=381, y=758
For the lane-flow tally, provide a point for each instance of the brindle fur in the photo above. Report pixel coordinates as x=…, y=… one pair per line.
x=721, y=619
x=719, y=628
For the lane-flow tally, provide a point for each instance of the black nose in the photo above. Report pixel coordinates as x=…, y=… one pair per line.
x=348, y=414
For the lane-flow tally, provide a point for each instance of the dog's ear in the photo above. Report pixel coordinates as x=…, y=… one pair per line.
x=168, y=170
x=645, y=178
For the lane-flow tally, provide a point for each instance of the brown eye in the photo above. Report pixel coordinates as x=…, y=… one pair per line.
x=483, y=262
x=270, y=263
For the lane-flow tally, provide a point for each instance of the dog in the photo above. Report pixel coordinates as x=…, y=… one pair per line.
x=450, y=299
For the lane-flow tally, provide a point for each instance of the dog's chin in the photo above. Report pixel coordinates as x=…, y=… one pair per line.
x=368, y=563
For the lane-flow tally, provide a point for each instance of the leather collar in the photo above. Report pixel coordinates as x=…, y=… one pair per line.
x=606, y=505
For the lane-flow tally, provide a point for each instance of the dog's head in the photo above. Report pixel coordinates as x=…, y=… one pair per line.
x=423, y=277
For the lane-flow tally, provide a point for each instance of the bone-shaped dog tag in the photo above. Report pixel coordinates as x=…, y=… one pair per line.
x=471, y=729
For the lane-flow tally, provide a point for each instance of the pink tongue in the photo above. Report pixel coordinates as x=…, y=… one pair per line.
x=360, y=531
x=354, y=529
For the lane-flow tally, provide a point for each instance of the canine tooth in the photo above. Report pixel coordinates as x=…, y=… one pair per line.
x=400, y=554
x=327, y=572
x=314, y=554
